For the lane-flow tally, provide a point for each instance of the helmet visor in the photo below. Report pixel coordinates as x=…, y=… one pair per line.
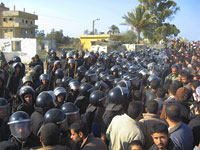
x=63, y=124
x=72, y=117
x=4, y=111
x=21, y=130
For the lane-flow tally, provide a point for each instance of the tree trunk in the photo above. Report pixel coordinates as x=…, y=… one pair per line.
x=138, y=37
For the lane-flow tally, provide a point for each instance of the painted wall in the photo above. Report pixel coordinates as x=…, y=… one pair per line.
x=86, y=40
x=29, y=48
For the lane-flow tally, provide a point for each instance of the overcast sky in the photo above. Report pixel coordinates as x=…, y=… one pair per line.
x=75, y=16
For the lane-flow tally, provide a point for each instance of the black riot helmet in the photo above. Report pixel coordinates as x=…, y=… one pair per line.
x=16, y=59
x=118, y=95
x=44, y=101
x=59, y=74
x=134, y=81
x=20, y=125
x=63, y=56
x=85, y=89
x=4, y=108
x=27, y=90
x=97, y=98
x=57, y=63
x=117, y=80
x=71, y=111
x=115, y=70
x=38, y=69
x=103, y=75
x=44, y=77
x=121, y=73
x=60, y=90
x=56, y=116
x=110, y=80
x=66, y=80
x=51, y=61
x=124, y=83
x=17, y=64
x=91, y=76
x=81, y=70
x=100, y=85
x=74, y=85
x=53, y=52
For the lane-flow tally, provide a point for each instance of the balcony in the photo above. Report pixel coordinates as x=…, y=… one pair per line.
x=18, y=25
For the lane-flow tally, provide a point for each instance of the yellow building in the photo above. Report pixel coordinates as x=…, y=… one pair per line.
x=88, y=40
x=17, y=24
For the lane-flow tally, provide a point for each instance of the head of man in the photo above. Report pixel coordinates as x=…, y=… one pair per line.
x=152, y=107
x=50, y=134
x=79, y=131
x=185, y=77
x=173, y=113
x=175, y=70
x=160, y=135
x=134, y=110
x=135, y=145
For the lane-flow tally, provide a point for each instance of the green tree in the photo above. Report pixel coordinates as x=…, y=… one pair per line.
x=162, y=10
x=139, y=19
x=129, y=37
x=113, y=30
x=166, y=31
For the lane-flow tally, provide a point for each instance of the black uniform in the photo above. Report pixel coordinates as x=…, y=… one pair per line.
x=37, y=118
x=4, y=130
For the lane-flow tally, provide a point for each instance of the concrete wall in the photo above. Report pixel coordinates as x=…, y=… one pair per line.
x=133, y=47
x=29, y=48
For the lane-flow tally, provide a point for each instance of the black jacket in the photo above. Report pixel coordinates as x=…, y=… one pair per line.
x=194, y=124
x=82, y=103
x=37, y=118
x=4, y=130
x=93, y=118
x=185, y=110
x=30, y=142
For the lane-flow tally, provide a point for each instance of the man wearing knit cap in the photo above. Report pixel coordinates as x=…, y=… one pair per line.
x=182, y=96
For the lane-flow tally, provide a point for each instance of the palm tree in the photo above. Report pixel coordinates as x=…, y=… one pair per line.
x=113, y=29
x=139, y=19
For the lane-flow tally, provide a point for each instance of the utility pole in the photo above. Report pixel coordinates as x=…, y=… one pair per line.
x=93, y=24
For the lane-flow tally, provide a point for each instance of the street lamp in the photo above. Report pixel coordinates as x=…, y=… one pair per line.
x=93, y=24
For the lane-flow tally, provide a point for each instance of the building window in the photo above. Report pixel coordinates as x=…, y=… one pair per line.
x=4, y=19
x=5, y=30
x=11, y=30
x=10, y=19
x=26, y=21
x=31, y=22
x=22, y=20
x=16, y=45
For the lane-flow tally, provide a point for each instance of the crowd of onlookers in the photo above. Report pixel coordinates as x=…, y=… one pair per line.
x=142, y=100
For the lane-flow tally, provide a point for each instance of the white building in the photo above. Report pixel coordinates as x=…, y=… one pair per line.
x=25, y=48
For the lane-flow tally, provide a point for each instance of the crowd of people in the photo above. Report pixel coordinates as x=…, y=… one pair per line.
x=130, y=100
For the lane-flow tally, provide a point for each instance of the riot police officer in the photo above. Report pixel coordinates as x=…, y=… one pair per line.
x=94, y=112
x=60, y=94
x=20, y=127
x=44, y=79
x=82, y=101
x=44, y=102
x=25, y=100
